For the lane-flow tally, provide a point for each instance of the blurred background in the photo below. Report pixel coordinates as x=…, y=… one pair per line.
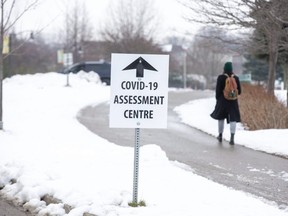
x=199, y=36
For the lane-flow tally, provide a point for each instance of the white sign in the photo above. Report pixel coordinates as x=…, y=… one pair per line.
x=60, y=56
x=67, y=59
x=139, y=91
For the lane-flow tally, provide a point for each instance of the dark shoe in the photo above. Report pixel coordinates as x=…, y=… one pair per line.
x=232, y=139
x=219, y=137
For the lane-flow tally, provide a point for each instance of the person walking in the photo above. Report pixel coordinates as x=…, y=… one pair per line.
x=226, y=108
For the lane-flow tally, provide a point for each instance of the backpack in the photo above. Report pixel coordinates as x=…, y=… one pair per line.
x=230, y=91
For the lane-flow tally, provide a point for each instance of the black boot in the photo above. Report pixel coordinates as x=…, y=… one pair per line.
x=219, y=137
x=232, y=139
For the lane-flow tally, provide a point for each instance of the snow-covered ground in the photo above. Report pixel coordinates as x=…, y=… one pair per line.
x=44, y=150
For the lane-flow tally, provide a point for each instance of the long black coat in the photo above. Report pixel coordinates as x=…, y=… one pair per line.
x=226, y=109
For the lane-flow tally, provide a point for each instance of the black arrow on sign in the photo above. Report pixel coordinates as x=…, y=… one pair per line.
x=140, y=64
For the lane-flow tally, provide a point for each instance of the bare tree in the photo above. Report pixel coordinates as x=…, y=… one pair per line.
x=7, y=21
x=77, y=29
x=131, y=27
x=208, y=53
x=266, y=16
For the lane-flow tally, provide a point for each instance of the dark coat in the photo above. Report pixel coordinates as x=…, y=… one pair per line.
x=226, y=109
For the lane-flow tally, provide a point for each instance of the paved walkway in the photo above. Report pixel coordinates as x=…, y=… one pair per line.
x=255, y=172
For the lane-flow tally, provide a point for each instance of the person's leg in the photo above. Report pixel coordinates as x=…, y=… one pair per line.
x=232, y=131
x=220, y=126
x=220, y=129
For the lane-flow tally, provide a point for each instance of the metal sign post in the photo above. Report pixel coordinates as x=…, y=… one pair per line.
x=136, y=165
x=67, y=61
x=139, y=97
x=67, y=79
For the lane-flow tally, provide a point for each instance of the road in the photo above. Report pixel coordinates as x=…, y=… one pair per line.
x=9, y=209
x=241, y=168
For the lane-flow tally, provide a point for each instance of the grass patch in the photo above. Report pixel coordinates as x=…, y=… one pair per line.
x=259, y=110
x=142, y=203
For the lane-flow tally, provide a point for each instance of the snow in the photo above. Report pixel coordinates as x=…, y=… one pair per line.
x=46, y=151
x=197, y=114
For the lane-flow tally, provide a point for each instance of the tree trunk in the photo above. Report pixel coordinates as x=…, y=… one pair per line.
x=1, y=64
x=285, y=74
x=273, y=56
x=1, y=90
x=285, y=80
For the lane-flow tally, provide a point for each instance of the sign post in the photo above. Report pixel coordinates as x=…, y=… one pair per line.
x=67, y=61
x=136, y=165
x=139, y=97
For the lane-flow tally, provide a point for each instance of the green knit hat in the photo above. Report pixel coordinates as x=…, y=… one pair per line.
x=228, y=68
